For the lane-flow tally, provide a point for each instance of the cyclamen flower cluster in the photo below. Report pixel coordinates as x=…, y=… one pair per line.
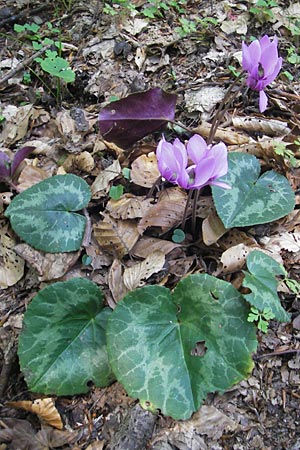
x=260, y=59
x=208, y=163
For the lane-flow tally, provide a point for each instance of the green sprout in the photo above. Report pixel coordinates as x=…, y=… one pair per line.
x=261, y=318
x=280, y=148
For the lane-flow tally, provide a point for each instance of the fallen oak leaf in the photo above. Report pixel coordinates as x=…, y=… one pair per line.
x=133, y=276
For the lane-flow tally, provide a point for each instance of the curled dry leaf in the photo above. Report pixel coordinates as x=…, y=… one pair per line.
x=11, y=265
x=116, y=237
x=15, y=126
x=29, y=176
x=212, y=229
x=115, y=281
x=144, y=170
x=270, y=127
x=283, y=241
x=48, y=265
x=128, y=207
x=234, y=237
x=167, y=212
x=234, y=258
x=225, y=135
x=147, y=245
x=133, y=276
x=44, y=408
x=100, y=187
x=84, y=161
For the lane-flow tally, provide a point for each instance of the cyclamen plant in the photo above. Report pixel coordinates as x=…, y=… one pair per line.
x=209, y=163
x=260, y=59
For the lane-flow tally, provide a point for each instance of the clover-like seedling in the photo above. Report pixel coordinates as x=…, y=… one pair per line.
x=261, y=318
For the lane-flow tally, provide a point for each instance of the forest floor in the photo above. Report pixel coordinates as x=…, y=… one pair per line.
x=115, y=51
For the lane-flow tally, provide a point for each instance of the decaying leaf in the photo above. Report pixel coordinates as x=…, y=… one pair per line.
x=48, y=265
x=11, y=265
x=283, y=241
x=115, y=281
x=100, y=187
x=43, y=407
x=134, y=275
x=234, y=258
x=128, y=207
x=270, y=127
x=29, y=176
x=225, y=135
x=15, y=126
x=205, y=207
x=212, y=229
x=167, y=212
x=234, y=236
x=144, y=170
x=116, y=237
x=147, y=245
x=181, y=267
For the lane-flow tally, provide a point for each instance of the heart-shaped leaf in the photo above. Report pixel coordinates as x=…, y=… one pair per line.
x=62, y=345
x=126, y=121
x=252, y=199
x=43, y=214
x=171, y=350
x=263, y=284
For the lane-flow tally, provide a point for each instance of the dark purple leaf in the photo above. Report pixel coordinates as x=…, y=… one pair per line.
x=126, y=121
x=19, y=157
x=4, y=165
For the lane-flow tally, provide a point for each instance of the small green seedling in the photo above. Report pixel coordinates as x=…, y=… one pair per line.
x=261, y=318
x=281, y=149
x=263, y=10
x=126, y=173
x=178, y=236
x=116, y=192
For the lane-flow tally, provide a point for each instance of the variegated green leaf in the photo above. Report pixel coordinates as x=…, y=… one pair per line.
x=252, y=199
x=62, y=345
x=151, y=336
x=263, y=284
x=44, y=217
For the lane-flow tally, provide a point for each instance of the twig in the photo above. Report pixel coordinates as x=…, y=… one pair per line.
x=22, y=65
x=27, y=12
x=88, y=229
x=283, y=352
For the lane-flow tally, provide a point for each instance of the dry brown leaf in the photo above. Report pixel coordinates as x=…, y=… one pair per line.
x=234, y=258
x=205, y=206
x=48, y=265
x=282, y=241
x=225, y=135
x=212, y=229
x=115, y=281
x=116, y=237
x=147, y=245
x=128, y=207
x=84, y=161
x=144, y=170
x=180, y=267
x=29, y=176
x=15, y=126
x=44, y=408
x=97, y=445
x=140, y=57
x=99, y=258
x=101, y=184
x=134, y=275
x=167, y=212
x=6, y=197
x=11, y=265
x=270, y=127
x=234, y=237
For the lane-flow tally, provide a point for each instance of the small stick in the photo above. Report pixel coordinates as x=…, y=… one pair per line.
x=22, y=65
x=283, y=352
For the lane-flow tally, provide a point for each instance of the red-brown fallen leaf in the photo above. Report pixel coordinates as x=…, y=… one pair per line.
x=144, y=170
x=29, y=176
x=146, y=245
x=116, y=237
x=128, y=207
x=44, y=408
x=167, y=212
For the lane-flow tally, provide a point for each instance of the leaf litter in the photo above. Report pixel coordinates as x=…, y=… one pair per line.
x=139, y=225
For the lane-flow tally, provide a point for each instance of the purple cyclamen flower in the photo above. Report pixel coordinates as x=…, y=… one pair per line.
x=209, y=163
x=260, y=60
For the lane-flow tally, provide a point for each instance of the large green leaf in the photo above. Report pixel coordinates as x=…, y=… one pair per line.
x=151, y=334
x=62, y=345
x=263, y=284
x=252, y=199
x=44, y=217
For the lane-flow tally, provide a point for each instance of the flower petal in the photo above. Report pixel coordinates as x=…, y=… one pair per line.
x=196, y=148
x=220, y=154
x=269, y=58
x=203, y=172
x=275, y=72
x=263, y=101
x=251, y=55
x=220, y=184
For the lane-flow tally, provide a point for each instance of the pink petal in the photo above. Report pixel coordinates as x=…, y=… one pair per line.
x=203, y=172
x=180, y=153
x=220, y=184
x=252, y=58
x=265, y=41
x=269, y=58
x=263, y=101
x=275, y=72
x=196, y=148
x=219, y=153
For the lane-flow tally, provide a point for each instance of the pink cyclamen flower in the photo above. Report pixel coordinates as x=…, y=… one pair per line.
x=209, y=163
x=260, y=60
